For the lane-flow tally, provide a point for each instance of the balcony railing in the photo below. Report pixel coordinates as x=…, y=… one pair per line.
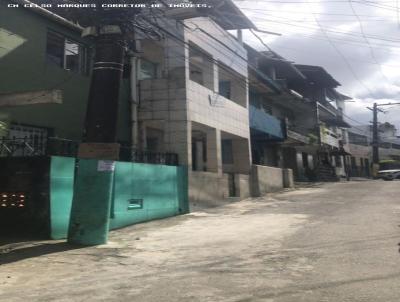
x=295, y=135
x=51, y=146
x=266, y=123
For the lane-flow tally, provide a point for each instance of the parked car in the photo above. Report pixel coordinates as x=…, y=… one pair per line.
x=389, y=169
x=389, y=174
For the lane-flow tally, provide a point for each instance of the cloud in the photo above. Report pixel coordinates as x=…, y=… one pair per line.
x=385, y=91
x=367, y=67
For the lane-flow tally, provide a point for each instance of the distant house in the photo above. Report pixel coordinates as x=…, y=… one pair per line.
x=330, y=154
x=360, y=144
x=296, y=118
x=281, y=120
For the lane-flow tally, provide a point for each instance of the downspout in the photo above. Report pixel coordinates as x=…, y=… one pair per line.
x=134, y=100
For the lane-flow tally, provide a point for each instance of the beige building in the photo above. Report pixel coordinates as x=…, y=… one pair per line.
x=194, y=102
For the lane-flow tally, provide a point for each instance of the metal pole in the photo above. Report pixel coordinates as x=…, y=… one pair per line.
x=375, y=137
x=102, y=108
x=94, y=178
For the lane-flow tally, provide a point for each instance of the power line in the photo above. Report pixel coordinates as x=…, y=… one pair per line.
x=367, y=41
x=297, y=12
x=340, y=40
x=343, y=57
x=333, y=31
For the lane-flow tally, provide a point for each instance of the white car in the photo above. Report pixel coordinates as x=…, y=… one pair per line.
x=389, y=174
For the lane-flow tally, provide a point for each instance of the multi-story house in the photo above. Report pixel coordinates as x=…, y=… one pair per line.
x=195, y=104
x=282, y=122
x=330, y=152
x=297, y=120
x=183, y=97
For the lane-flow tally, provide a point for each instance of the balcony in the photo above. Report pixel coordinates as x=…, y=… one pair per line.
x=266, y=124
x=296, y=137
x=329, y=137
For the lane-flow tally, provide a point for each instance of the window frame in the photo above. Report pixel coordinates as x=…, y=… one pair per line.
x=82, y=52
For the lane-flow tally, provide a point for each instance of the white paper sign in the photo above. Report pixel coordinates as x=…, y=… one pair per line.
x=105, y=165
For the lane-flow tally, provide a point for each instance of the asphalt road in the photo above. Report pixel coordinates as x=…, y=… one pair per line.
x=333, y=242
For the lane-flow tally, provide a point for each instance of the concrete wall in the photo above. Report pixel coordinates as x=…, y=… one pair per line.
x=207, y=186
x=242, y=184
x=266, y=180
x=288, y=179
x=219, y=113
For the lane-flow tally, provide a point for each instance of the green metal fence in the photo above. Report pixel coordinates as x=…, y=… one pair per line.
x=142, y=192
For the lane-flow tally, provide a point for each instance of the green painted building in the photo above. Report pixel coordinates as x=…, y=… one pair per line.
x=44, y=87
x=44, y=76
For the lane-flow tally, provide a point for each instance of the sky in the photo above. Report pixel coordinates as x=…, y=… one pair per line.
x=356, y=41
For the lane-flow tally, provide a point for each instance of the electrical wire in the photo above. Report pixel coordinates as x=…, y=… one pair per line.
x=367, y=41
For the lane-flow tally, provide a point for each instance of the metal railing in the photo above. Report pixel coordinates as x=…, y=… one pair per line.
x=138, y=156
x=34, y=146
x=37, y=146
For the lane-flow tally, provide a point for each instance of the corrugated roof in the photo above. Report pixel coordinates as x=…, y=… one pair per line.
x=318, y=75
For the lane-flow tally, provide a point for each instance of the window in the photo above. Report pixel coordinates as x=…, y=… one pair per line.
x=338, y=161
x=232, y=85
x=66, y=53
x=148, y=70
x=225, y=89
x=201, y=67
x=305, y=159
x=353, y=162
x=227, y=151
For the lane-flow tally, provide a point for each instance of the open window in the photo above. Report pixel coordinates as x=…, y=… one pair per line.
x=66, y=53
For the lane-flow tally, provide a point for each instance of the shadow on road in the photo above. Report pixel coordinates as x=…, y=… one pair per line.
x=24, y=250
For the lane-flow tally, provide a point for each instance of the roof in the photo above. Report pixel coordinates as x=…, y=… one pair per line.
x=229, y=16
x=318, y=75
x=285, y=67
x=343, y=97
x=262, y=59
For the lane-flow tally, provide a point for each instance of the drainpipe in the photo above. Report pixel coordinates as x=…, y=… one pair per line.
x=134, y=100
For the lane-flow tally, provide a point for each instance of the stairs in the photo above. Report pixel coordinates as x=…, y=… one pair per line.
x=326, y=173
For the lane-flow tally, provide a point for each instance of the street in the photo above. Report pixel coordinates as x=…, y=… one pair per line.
x=329, y=242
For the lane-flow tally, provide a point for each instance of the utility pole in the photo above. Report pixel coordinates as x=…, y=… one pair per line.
x=102, y=108
x=375, y=138
x=94, y=177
